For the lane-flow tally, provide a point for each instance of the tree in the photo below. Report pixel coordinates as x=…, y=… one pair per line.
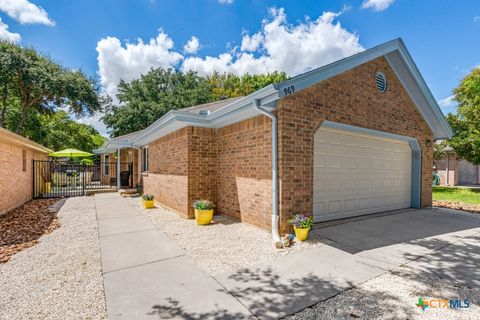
x=466, y=123
x=439, y=152
x=57, y=130
x=37, y=82
x=144, y=100
x=230, y=85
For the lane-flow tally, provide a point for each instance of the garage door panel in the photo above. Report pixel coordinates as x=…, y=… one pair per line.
x=359, y=174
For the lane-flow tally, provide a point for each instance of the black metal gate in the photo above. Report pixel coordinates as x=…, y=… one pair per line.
x=53, y=179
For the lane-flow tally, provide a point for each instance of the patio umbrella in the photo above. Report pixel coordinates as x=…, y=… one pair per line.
x=70, y=153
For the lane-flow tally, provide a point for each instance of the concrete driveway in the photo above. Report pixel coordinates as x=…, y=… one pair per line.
x=437, y=241
x=148, y=276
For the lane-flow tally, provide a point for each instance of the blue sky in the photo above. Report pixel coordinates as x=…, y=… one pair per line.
x=441, y=35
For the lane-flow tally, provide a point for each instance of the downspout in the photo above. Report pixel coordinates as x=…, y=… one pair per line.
x=275, y=216
x=118, y=169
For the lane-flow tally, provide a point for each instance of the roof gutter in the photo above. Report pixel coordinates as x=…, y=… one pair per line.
x=275, y=216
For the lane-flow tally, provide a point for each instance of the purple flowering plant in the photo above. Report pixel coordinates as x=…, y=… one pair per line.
x=203, y=205
x=148, y=197
x=301, y=221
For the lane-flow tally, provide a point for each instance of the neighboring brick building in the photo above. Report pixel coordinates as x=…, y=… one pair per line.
x=16, y=176
x=455, y=171
x=354, y=137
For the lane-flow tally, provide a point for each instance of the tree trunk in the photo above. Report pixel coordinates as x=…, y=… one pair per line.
x=21, y=123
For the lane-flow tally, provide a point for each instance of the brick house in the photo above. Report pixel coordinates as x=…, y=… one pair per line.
x=16, y=168
x=350, y=138
x=455, y=171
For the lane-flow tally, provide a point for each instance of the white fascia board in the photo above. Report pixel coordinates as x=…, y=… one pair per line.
x=420, y=81
x=403, y=66
x=239, y=110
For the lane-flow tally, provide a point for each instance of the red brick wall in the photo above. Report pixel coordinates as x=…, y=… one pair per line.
x=202, y=166
x=167, y=178
x=15, y=183
x=349, y=98
x=244, y=174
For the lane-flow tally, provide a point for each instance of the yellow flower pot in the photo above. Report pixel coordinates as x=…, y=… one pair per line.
x=148, y=204
x=47, y=187
x=301, y=234
x=203, y=217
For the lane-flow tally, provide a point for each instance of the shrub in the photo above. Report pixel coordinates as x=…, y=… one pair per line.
x=203, y=205
x=301, y=221
x=148, y=197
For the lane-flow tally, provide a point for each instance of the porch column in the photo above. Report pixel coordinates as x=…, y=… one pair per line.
x=139, y=169
x=118, y=169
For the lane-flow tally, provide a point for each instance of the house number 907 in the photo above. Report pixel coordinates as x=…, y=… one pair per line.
x=289, y=90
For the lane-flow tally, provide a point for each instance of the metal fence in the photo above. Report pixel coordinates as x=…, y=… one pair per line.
x=53, y=179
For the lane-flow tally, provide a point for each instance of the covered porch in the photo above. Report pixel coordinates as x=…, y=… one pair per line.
x=122, y=163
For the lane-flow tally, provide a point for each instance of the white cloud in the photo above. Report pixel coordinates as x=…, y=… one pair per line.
x=192, y=45
x=251, y=43
x=447, y=102
x=225, y=1
x=283, y=47
x=117, y=62
x=7, y=35
x=377, y=5
x=25, y=12
x=278, y=46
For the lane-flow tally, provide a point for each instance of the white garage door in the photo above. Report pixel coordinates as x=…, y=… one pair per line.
x=356, y=174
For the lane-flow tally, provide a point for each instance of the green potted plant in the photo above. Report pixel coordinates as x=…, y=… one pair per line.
x=203, y=211
x=301, y=224
x=148, y=201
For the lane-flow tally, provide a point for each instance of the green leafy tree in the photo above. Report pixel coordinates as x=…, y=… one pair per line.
x=230, y=85
x=37, y=82
x=466, y=123
x=56, y=130
x=144, y=100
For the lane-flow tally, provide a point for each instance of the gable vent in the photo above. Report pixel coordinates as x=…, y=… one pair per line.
x=381, y=82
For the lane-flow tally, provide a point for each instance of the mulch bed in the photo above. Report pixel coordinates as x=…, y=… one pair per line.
x=469, y=207
x=21, y=227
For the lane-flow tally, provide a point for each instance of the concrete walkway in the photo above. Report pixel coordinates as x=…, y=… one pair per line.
x=147, y=276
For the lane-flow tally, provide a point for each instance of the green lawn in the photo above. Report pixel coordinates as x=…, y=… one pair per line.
x=465, y=195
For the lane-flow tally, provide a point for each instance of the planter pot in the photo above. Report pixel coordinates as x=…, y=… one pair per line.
x=148, y=204
x=301, y=234
x=47, y=187
x=203, y=217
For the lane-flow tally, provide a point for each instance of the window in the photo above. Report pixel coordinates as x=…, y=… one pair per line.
x=106, y=165
x=145, y=159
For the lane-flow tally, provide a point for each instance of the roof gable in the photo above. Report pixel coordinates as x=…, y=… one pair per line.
x=236, y=110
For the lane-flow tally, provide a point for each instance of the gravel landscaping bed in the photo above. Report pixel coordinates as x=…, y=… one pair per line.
x=394, y=296
x=224, y=246
x=60, y=277
x=21, y=227
x=469, y=207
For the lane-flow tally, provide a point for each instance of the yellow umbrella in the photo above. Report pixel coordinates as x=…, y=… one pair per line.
x=70, y=153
